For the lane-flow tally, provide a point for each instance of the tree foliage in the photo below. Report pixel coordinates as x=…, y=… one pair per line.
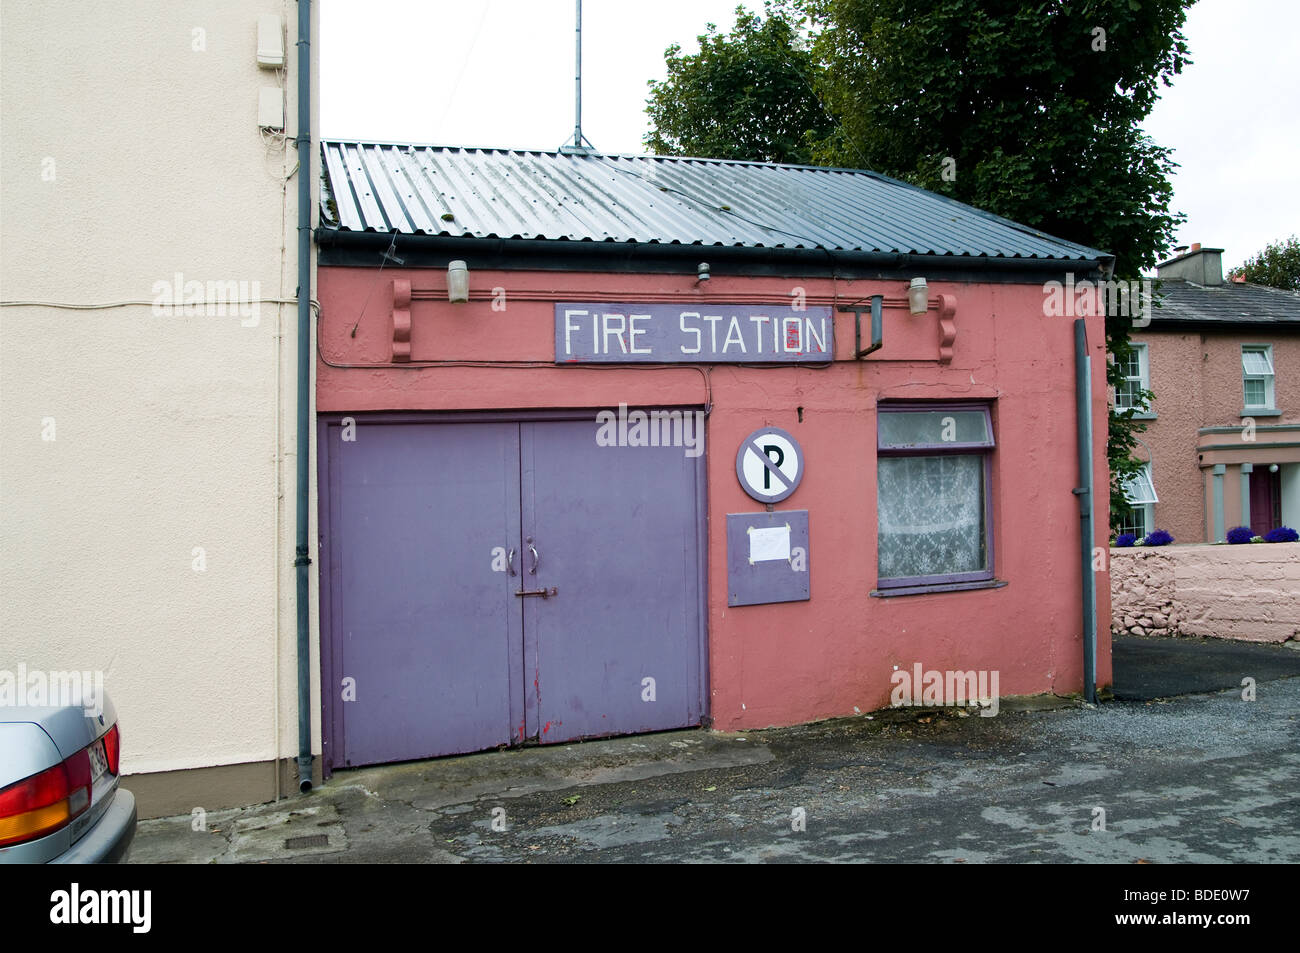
x=1038, y=106
x=1277, y=266
x=746, y=95
x=1030, y=110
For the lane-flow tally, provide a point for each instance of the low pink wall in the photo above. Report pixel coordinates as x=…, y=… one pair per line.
x=1249, y=592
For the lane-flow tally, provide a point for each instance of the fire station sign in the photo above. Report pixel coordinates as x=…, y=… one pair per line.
x=692, y=333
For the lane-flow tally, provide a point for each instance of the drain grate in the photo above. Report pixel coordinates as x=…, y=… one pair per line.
x=311, y=840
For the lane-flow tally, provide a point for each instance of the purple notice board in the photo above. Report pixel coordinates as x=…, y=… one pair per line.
x=767, y=557
x=603, y=333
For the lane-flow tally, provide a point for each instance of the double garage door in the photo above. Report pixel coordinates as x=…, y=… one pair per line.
x=490, y=582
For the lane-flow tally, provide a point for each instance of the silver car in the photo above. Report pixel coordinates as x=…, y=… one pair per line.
x=59, y=796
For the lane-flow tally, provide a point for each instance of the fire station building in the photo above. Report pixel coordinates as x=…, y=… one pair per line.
x=611, y=445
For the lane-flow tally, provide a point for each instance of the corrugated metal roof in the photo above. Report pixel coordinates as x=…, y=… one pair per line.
x=487, y=193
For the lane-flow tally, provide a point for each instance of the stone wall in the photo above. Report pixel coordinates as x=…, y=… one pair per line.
x=1249, y=592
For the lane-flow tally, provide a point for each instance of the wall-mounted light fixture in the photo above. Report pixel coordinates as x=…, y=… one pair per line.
x=457, y=282
x=918, y=296
x=1272, y=468
x=702, y=271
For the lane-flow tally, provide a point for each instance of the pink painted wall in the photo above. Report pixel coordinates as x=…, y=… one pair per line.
x=1196, y=378
x=1249, y=592
x=794, y=662
x=1179, y=386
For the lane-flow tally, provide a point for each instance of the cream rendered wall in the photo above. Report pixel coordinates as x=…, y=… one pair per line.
x=129, y=152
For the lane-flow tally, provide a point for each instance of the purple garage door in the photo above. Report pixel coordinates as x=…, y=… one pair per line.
x=421, y=622
x=618, y=649
x=447, y=653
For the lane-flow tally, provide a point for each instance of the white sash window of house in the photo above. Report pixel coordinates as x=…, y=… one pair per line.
x=1140, y=492
x=1137, y=377
x=1257, y=376
x=933, y=477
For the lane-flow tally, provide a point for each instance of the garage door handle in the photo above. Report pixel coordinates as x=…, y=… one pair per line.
x=510, y=561
x=544, y=593
x=537, y=560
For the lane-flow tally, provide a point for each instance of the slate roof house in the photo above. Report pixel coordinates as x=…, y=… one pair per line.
x=1223, y=433
x=615, y=444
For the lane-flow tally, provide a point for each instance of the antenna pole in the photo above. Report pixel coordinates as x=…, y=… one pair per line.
x=579, y=145
x=577, y=113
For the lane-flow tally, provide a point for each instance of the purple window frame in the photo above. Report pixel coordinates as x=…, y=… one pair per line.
x=982, y=448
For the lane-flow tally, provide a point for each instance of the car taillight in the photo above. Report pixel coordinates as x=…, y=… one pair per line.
x=45, y=802
x=112, y=745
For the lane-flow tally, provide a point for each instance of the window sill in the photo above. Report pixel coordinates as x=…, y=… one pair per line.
x=1261, y=412
x=941, y=587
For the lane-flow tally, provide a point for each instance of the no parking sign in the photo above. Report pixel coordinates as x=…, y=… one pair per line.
x=769, y=464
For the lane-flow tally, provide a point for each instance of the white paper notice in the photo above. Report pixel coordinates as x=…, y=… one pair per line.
x=768, y=544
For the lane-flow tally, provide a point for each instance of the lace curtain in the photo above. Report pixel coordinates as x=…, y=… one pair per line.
x=931, y=515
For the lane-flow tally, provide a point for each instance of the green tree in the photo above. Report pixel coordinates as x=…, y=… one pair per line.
x=1277, y=266
x=746, y=95
x=1037, y=107
x=1031, y=111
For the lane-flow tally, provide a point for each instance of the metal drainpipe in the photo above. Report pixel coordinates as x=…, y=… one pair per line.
x=303, y=443
x=1084, y=491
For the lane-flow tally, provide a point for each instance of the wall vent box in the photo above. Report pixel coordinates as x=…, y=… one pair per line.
x=270, y=42
x=270, y=107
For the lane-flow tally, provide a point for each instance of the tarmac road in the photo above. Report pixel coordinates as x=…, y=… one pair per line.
x=1197, y=778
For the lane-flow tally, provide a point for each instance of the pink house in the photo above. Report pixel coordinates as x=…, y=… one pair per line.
x=611, y=445
x=1223, y=433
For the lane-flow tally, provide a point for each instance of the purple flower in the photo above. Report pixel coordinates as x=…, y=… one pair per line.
x=1283, y=534
x=1125, y=539
x=1158, y=538
x=1240, y=534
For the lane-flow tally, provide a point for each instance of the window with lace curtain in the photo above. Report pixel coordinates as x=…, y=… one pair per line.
x=932, y=492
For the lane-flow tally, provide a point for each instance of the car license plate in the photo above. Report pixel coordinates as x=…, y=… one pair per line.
x=98, y=761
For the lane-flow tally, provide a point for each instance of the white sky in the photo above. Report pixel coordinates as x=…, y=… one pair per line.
x=499, y=73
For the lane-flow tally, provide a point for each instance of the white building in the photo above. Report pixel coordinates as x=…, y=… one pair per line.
x=148, y=272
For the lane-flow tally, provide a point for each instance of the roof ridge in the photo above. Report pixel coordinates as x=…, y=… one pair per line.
x=1255, y=284
x=558, y=153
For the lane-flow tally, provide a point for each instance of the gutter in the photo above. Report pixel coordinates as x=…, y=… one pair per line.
x=1085, y=495
x=303, y=441
x=487, y=252
x=1159, y=323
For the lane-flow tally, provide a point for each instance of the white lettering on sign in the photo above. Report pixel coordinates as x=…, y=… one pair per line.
x=615, y=331
x=633, y=331
x=569, y=328
x=791, y=332
x=686, y=330
x=653, y=333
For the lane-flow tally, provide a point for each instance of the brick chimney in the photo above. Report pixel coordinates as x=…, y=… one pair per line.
x=1200, y=266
